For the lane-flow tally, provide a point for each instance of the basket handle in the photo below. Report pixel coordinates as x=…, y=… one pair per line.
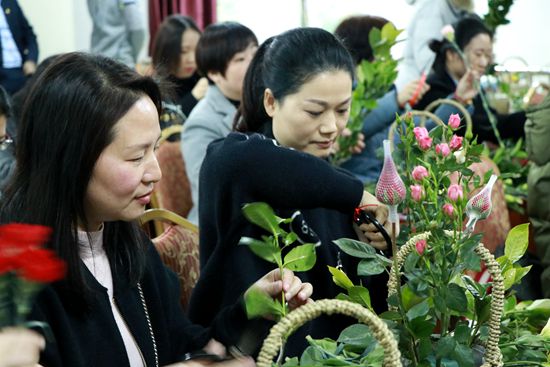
x=493, y=357
x=467, y=117
x=291, y=322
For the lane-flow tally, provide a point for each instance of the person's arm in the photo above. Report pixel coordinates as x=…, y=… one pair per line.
x=134, y=24
x=382, y=116
x=20, y=347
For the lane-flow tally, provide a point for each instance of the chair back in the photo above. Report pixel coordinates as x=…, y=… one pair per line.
x=173, y=191
x=178, y=247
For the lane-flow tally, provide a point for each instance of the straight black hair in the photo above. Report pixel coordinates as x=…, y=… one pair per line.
x=167, y=44
x=219, y=43
x=68, y=120
x=283, y=64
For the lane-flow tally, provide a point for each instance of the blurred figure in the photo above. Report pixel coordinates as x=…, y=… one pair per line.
x=173, y=58
x=20, y=347
x=19, y=47
x=426, y=25
x=223, y=55
x=354, y=32
x=118, y=29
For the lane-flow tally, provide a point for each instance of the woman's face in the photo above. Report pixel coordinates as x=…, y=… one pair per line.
x=311, y=119
x=124, y=174
x=231, y=84
x=479, y=52
x=187, y=66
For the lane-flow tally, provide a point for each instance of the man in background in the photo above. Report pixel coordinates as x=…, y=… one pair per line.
x=19, y=47
x=118, y=29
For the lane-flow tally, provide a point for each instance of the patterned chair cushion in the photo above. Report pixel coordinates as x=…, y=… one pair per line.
x=179, y=250
x=173, y=190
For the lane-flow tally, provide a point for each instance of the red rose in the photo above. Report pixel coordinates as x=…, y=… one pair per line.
x=24, y=235
x=40, y=265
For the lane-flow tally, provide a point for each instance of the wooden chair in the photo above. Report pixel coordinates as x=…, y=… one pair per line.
x=173, y=191
x=178, y=247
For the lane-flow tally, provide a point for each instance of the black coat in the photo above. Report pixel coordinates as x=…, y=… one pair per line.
x=90, y=337
x=22, y=32
x=243, y=169
x=509, y=126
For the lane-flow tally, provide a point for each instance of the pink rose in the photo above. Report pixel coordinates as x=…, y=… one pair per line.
x=420, y=246
x=443, y=149
x=419, y=173
x=454, y=121
x=456, y=142
x=448, y=209
x=454, y=192
x=448, y=32
x=425, y=142
x=417, y=192
x=420, y=132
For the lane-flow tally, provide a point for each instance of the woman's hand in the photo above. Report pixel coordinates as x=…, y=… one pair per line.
x=357, y=148
x=466, y=89
x=367, y=232
x=199, y=90
x=413, y=91
x=20, y=347
x=272, y=284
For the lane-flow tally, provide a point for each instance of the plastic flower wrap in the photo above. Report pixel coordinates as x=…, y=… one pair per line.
x=479, y=206
x=390, y=188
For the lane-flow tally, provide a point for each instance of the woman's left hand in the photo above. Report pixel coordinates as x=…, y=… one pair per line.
x=272, y=284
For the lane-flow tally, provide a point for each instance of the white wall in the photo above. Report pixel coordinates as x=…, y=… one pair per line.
x=64, y=25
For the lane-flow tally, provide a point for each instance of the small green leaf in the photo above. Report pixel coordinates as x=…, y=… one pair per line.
x=340, y=278
x=464, y=356
x=422, y=328
x=266, y=250
x=418, y=310
x=521, y=272
x=390, y=315
x=360, y=295
x=290, y=238
x=262, y=215
x=356, y=335
x=462, y=332
x=445, y=346
x=456, y=299
x=301, y=258
x=355, y=248
x=368, y=267
x=259, y=304
x=517, y=242
x=509, y=278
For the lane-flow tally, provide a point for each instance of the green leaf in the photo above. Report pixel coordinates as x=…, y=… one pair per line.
x=340, y=278
x=422, y=328
x=521, y=272
x=464, y=356
x=355, y=248
x=290, y=238
x=462, y=332
x=445, y=346
x=418, y=310
x=360, y=295
x=262, y=215
x=368, y=267
x=356, y=335
x=390, y=315
x=266, y=250
x=259, y=304
x=456, y=299
x=517, y=242
x=408, y=297
x=509, y=278
x=301, y=258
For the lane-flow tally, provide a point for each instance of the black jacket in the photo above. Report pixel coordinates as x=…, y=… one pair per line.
x=243, y=169
x=90, y=337
x=510, y=126
x=22, y=32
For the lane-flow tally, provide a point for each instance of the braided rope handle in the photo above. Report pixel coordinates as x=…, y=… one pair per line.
x=467, y=117
x=291, y=322
x=493, y=357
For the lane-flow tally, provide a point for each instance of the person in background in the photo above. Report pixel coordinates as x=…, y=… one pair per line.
x=456, y=78
x=353, y=32
x=426, y=24
x=86, y=168
x=20, y=347
x=295, y=103
x=19, y=47
x=223, y=55
x=173, y=58
x=118, y=29
x=7, y=151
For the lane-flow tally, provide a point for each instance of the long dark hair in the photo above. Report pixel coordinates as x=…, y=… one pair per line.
x=67, y=122
x=354, y=34
x=167, y=43
x=283, y=64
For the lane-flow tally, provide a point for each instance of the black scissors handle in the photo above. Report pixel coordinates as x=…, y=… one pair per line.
x=366, y=217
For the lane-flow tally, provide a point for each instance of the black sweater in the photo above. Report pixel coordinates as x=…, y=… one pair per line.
x=182, y=90
x=88, y=336
x=243, y=169
x=509, y=126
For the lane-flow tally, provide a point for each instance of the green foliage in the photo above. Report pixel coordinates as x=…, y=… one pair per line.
x=276, y=248
x=374, y=79
x=496, y=16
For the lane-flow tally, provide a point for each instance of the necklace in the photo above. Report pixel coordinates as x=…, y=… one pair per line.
x=144, y=304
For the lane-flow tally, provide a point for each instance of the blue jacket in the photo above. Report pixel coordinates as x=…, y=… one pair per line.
x=22, y=32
